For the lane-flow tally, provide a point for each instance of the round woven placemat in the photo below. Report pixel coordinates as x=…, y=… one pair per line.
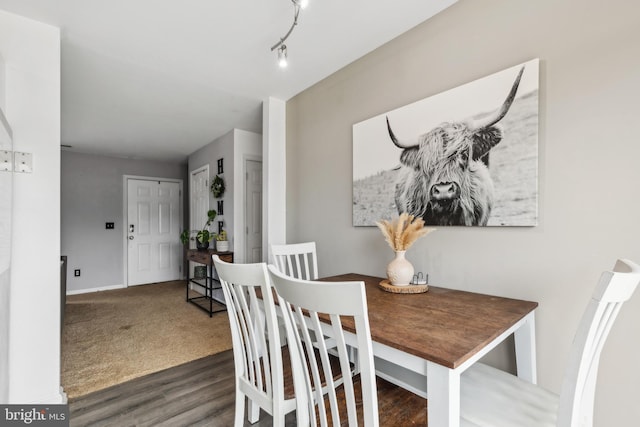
x=409, y=289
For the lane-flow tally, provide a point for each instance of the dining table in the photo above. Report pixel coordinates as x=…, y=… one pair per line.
x=440, y=333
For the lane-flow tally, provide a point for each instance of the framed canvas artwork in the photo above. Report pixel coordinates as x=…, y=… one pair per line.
x=464, y=157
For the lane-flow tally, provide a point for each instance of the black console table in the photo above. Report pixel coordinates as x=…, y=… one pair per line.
x=209, y=302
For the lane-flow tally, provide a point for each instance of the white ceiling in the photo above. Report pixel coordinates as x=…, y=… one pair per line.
x=159, y=79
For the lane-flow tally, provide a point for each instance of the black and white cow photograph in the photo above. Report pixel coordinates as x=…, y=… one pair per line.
x=464, y=157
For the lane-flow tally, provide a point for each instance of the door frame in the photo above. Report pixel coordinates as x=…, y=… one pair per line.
x=125, y=214
x=240, y=212
x=204, y=168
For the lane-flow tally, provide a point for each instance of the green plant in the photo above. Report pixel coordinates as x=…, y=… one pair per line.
x=203, y=235
x=221, y=236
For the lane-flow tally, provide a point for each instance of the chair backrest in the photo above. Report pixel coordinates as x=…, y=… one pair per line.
x=255, y=335
x=308, y=301
x=297, y=260
x=578, y=389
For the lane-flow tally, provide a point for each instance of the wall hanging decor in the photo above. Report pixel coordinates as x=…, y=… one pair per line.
x=467, y=156
x=217, y=186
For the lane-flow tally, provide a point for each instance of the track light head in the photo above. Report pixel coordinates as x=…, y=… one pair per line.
x=282, y=56
x=282, y=49
x=302, y=4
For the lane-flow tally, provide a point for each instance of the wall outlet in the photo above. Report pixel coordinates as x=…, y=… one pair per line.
x=109, y=225
x=76, y=272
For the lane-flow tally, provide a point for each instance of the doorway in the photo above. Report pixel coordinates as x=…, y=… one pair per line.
x=253, y=211
x=198, y=204
x=154, y=218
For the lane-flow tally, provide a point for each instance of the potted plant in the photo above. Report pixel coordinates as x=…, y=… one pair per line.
x=222, y=244
x=203, y=236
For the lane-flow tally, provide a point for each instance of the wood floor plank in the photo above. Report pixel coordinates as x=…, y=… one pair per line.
x=184, y=395
x=202, y=393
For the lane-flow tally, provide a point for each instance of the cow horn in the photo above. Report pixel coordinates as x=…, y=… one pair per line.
x=399, y=144
x=499, y=114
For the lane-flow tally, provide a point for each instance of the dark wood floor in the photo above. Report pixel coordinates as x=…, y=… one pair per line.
x=202, y=393
x=199, y=393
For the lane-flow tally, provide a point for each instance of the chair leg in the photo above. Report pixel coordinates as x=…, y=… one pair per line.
x=253, y=412
x=239, y=416
x=278, y=418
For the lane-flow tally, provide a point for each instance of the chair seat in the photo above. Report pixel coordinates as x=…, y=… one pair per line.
x=396, y=406
x=494, y=398
x=289, y=391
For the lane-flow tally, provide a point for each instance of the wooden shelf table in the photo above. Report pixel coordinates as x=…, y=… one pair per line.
x=212, y=300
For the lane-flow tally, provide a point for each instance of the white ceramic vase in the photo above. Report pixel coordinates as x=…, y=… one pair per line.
x=400, y=270
x=222, y=245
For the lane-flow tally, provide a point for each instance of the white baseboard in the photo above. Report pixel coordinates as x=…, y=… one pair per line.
x=88, y=290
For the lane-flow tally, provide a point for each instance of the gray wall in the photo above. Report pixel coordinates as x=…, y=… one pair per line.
x=234, y=147
x=91, y=195
x=209, y=154
x=588, y=171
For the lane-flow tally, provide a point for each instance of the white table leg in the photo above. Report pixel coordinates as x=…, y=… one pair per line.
x=525, y=340
x=443, y=391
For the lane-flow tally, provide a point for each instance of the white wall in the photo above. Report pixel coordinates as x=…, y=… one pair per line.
x=91, y=195
x=275, y=174
x=588, y=173
x=32, y=54
x=6, y=207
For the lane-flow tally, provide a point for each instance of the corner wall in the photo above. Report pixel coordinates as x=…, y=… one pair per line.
x=32, y=54
x=233, y=147
x=588, y=173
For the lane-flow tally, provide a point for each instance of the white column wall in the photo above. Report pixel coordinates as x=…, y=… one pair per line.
x=274, y=172
x=32, y=54
x=6, y=197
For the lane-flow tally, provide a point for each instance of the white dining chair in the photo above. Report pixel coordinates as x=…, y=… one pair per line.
x=262, y=371
x=356, y=402
x=299, y=260
x=296, y=259
x=490, y=397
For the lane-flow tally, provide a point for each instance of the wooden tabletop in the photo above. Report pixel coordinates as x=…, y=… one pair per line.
x=442, y=325
x=204, y=257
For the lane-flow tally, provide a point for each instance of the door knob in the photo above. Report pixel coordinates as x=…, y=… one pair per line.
x=130, y=237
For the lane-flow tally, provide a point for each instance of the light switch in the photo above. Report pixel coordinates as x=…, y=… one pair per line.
x=23, y=162
x=6, y=161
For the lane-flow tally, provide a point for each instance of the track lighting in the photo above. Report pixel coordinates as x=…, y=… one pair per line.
x=282, y=56
x=282, y=48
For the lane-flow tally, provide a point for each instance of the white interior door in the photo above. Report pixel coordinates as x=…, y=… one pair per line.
x=198, y=203
x=253, y=211
x=153, y=225
x=199, y=200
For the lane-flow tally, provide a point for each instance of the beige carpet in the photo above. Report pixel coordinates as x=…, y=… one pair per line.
x=113, y=336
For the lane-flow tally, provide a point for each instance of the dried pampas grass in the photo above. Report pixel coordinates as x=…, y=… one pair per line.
x=403, y=231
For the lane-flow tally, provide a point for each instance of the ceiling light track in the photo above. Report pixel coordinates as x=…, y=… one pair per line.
x=282, y=48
